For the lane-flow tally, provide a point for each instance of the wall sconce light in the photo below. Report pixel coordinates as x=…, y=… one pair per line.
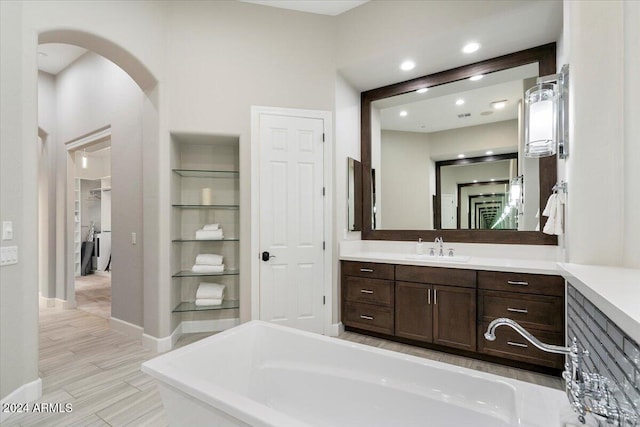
x=84, y=159
x=515, y=192
x=546, y=116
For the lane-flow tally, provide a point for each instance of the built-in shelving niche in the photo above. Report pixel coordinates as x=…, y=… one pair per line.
x=200, y=161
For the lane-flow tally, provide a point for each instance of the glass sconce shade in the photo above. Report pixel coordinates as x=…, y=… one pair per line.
x=540, y=115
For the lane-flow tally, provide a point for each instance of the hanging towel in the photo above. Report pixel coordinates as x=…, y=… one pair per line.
x=210, y=227
x=208, y=301
x=209, y=259
x=208, y=268
x=209, y=234
x=210, y=291
x=554, y=211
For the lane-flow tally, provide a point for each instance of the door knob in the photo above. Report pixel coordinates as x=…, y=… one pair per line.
x=266, y=256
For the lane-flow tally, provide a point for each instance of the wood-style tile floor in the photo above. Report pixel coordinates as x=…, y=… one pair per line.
x=97, y=370
x=93, y=293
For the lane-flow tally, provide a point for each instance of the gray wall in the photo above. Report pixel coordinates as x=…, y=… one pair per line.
x=91, y=94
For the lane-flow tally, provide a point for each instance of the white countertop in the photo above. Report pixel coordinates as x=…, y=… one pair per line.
x=474, y=263
x=614, y=290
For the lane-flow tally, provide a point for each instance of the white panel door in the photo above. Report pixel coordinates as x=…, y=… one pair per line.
x=291, y=221
x=448, y=217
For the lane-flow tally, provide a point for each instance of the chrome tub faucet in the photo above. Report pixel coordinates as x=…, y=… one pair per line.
x=587, y=392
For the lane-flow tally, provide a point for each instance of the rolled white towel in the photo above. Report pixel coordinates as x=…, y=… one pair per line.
x=198, y=268
x=209, y=234
x=208, y=301
x=210, y=291
x=209, y=259
x=211, y=227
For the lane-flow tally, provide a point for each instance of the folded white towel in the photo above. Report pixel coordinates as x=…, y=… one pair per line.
x=209, y=259
x=207, y=268
x=210, y=227
x=209, y=234
x=210, y=291
x=208, y=301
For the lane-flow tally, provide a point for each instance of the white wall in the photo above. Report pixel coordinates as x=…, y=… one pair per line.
x=602, y=193
x=347, y=144
x=474, y=141
x=405, y=181
x=47, y=186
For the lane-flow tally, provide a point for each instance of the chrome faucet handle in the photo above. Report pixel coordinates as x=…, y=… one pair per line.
x=450, y=252
x=432, y=251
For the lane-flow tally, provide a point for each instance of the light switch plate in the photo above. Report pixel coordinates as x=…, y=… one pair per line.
x=7, y=230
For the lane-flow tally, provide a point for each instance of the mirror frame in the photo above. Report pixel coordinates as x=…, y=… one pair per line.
x=545, y=56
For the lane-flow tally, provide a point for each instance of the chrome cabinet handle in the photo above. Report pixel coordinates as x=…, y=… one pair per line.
x=366, y=270
x=517, y=344
x=516, y=283
x=518, y=310
x=429, y=297
x=366, y=291
x=362, y=316
x=435, y=297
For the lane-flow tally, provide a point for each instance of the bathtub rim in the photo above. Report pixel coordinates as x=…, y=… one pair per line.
x=258, y=414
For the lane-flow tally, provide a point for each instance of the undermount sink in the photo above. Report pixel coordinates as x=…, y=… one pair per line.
x=433, y=258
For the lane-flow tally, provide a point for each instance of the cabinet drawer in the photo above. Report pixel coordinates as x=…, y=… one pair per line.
x=372, y=291
x=368, y=316
x=368, y=269
x=545, y=313
x=436, y=275
x=521, y=282
x=510, y=345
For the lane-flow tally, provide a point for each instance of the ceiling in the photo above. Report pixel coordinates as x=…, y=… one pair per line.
x=322, y=7
x=55, y=57
x=436, y=110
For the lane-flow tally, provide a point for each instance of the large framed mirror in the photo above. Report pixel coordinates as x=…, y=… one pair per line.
x=441, y=153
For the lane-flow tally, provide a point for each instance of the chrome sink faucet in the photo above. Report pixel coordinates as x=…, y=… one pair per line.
x=587, y=392
x=439, y=242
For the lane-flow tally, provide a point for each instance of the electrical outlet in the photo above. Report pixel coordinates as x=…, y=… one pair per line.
x=9, y=255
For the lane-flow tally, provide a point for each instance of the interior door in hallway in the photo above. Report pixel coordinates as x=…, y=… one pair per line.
x=291, y=221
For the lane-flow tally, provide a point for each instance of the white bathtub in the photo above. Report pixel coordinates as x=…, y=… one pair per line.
x=260, y=374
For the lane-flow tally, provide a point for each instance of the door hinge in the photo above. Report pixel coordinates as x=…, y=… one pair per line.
x=324, y=300
x=323, y=137
x=323, y=191
x=324, y=246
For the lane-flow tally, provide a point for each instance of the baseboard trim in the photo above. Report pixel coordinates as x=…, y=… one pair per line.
x=160, y=345
x=45, y=302
x=129, y=329
x=335, y=329
x=214, y=325
x=23, y=394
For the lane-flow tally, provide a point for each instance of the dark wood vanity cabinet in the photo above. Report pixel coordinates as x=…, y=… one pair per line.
x=452, y=308
x=535, y=301
x=432, y=309
x=368, y=296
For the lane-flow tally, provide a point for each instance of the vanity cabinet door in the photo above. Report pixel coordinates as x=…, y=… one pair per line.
x=454, y=317
x=414, y=311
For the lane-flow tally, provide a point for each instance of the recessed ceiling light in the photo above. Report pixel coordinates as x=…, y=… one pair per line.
x=407, y=65
x=486, y=113
x=403, y=113
x=492, y=179
x=488, y=153
x=471, y=47
x=499, y=105
x=460, y=101
x=475, y=180
x=481, y=194
x=423, y=90
x=461, y=156
x=42, y=54
x=476, y=77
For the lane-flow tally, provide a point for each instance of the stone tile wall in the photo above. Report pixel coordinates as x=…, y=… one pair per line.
x=612, y=353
